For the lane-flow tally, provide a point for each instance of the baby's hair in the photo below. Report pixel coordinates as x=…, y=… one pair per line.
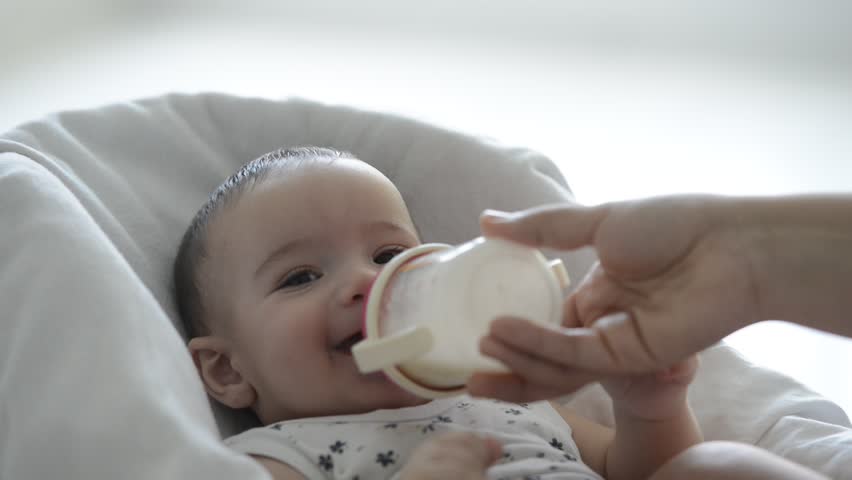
x=193, y=247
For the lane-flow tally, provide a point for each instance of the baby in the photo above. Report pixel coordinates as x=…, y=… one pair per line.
x=271, y=279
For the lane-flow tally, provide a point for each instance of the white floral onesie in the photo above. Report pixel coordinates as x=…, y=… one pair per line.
x=537, y=443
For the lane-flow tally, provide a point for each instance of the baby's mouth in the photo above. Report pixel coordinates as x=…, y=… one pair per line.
x=346, y=345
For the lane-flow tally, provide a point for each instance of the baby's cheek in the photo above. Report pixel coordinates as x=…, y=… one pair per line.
x=305, y=329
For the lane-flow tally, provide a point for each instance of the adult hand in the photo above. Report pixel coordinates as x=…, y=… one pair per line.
x=673, y=278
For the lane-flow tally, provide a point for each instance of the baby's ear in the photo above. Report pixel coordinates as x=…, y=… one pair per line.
x=223, y=382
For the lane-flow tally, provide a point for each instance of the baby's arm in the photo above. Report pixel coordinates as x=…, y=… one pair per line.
x=642, y=445
x=653, y=423
x=637, y=447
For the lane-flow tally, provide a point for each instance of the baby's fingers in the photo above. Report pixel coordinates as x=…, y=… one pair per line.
x=475, y=450
x=596, y=295
x=681, y=372
x=493, y=450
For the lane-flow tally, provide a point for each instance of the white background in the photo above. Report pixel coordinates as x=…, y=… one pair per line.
x=629, y=98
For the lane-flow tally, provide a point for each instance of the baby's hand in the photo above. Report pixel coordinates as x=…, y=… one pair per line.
x=655, y=396
x=462, y=456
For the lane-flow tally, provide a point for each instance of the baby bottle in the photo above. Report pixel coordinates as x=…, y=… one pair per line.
x=430, y=305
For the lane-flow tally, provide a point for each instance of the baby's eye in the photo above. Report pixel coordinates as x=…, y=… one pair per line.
x=385, y=256
x=300, y=277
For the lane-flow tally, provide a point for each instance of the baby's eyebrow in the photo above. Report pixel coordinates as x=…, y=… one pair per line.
x=386, y=225
x=308, y=240
x=282, y=252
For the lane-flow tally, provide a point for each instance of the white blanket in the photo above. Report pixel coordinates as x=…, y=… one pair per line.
x=95, y=382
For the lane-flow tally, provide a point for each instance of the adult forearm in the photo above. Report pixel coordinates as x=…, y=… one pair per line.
x=641, y=446
x=800, y=251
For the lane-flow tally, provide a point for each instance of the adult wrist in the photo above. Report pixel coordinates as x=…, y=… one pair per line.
x=737, y=227
x=798, y=250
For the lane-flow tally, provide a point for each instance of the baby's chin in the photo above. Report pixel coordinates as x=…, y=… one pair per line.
x=382, y=393
x=357, y=394
x=360, y=402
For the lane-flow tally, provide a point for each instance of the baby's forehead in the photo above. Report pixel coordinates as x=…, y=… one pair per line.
x=327, y=196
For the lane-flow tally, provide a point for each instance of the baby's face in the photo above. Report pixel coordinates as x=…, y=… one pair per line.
x=290, y=264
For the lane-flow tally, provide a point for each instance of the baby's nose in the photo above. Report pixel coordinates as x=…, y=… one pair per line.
x=358, y=287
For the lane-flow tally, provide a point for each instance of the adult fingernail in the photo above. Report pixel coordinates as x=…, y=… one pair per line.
x=611, y=319
x=496, y=215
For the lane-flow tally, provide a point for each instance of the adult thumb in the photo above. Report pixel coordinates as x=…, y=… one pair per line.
x=561, y=226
